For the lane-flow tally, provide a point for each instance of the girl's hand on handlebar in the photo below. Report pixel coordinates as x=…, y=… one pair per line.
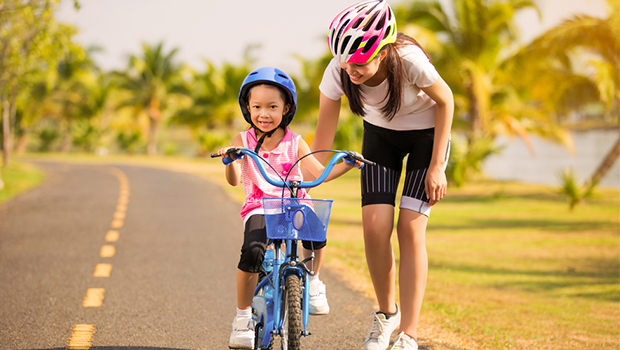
x=223, y=152
x=229, y=154
x=355, y=159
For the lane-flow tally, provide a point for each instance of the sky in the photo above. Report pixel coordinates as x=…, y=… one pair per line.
x=220, y=30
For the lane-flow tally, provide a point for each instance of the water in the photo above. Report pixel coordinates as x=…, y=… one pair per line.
x=517, y=163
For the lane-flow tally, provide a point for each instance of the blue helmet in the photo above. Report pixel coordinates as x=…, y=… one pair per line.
x=272, y=76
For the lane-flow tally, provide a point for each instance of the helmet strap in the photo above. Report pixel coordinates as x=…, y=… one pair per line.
x=262, y=139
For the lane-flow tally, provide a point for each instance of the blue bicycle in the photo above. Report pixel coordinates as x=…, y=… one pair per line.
x=280, y=305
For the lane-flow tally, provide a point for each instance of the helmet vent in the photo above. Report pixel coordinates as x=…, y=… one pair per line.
x=381, y=23
x=345, y=42
x=387, y=32
x=370, y=21
x=356, y=45
x=369, y=44
x=339, y=35
x=357, y=23
x=373, y=7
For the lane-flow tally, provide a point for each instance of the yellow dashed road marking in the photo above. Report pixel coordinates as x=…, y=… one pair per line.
x=103, y=270
x=107, y=251
x=116, y=223
x=111, y=236
x=94, y=297
x=82, y=334
x=123, y=200
x=81, y=337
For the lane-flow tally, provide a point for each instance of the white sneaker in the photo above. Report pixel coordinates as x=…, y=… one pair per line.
x=405, y=342
x=381, y=330
x=242, y=336
x=318, y=298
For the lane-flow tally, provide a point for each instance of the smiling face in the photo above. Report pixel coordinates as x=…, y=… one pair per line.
x=267, y=107
x=365, y=73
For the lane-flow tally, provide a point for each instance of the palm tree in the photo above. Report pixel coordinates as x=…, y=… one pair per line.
x=213, y=113
x=581, y=66
x=73, y=75
x=469, y=44
x=472, y=44
x=152, y=82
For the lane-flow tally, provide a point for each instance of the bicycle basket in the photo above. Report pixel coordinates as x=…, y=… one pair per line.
x=297, y=218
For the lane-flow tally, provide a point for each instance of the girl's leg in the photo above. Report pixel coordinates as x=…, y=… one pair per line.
x=378, y=222
x=242, y=335
x=413, y=268
x=314, y=264
x=318, y=292
x=252, y=254
x=246, y=283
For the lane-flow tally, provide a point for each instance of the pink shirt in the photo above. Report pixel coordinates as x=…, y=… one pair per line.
x=282, y=159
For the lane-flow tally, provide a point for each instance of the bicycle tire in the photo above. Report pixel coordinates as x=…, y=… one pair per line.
x=293, y=326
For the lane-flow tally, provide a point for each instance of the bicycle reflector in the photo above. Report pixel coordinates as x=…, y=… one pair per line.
x=299, y=219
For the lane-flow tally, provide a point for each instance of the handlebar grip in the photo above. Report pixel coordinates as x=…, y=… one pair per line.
x=233, y=154
x=361, y=159
x=369, y=162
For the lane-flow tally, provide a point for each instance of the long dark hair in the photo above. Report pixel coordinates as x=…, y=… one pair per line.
x=395, y=77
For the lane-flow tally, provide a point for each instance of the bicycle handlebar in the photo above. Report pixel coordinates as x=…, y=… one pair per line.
x=238, y=152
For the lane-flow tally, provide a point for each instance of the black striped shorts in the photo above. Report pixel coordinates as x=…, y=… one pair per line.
x=388, y=148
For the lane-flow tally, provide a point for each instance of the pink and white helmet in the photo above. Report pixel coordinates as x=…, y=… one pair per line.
x=358, y=33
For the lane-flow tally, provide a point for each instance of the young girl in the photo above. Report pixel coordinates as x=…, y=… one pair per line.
x=268, y=101
x=407, y=110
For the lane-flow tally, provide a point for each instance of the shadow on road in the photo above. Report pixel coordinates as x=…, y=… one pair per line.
x=118, y=348
x=422, y=347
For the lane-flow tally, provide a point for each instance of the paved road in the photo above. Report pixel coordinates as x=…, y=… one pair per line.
x=123, y=257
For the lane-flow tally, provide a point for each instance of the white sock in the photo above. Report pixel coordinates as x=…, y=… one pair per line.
x=244, y=313
x=313, y=278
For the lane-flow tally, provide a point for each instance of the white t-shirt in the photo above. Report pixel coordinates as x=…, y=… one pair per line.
x=417, y=111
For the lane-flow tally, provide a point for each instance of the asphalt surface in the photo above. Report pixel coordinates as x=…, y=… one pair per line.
x=172, y=278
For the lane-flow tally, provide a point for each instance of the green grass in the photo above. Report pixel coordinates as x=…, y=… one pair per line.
x=18, y=177
x=510, y=266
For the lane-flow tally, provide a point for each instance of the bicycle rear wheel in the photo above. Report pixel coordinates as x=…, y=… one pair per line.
x=293, y=326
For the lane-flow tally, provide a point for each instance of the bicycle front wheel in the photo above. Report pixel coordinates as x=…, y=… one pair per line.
x=293, y=326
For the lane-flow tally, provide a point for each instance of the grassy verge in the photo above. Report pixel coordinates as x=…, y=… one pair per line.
x=18, y=177
x=510, y=267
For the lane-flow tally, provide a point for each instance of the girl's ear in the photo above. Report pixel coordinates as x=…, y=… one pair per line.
x=287, y=107
x=382, y=55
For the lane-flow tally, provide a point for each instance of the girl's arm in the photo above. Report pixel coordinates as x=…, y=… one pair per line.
x=233, y=170
x=436, y=183
x=329, y=112
x=312, y=164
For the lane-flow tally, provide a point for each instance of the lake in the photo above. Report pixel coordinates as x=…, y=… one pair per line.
x=516, y=162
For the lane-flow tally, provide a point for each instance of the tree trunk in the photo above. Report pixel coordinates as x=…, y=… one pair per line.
x=155, y=118
x=20, y=147
x=6, y=131
x=4, y=116
x=151, y=148
x=475, y=124
x=67, y=137
x=606, y=164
